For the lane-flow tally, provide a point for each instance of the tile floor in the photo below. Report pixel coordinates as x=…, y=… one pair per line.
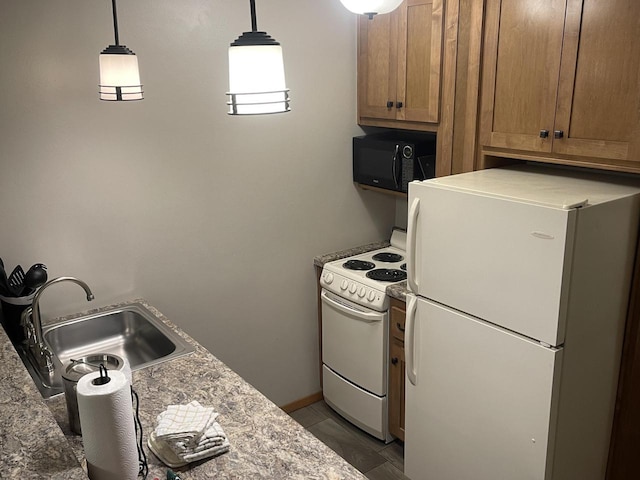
x=369, y=455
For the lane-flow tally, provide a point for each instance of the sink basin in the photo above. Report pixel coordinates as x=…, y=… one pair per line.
x=131, y=332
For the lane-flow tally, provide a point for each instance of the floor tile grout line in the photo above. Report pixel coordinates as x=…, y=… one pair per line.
x=322, y=416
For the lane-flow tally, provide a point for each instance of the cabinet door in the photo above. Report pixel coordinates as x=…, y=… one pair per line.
x=377, y=63
x=523, y=46
x=396, y=388
x=396, y=368
x=398, y=315
x=399, y=64
x=419, y=60
x=599, y=89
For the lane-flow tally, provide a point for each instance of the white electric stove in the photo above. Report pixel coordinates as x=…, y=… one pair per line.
x=355, y=333
x=364, y=278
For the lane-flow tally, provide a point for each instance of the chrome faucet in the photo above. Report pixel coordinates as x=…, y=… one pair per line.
x=33, y=329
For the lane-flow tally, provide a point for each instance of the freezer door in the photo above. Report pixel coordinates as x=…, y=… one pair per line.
x=501, y=260
x=482, y=403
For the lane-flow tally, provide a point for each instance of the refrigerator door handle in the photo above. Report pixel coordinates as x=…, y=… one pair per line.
x=409, y=339
x=414, y=211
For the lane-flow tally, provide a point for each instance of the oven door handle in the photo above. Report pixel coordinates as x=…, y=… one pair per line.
x=368, y=317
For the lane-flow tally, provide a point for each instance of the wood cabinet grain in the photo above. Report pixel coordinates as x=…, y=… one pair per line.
x=400, y=65
x=396, y=368
x=561, y=82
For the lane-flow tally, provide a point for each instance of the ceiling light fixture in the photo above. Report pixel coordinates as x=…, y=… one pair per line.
x=119, y=74
x=256, y=73
x=371, y=7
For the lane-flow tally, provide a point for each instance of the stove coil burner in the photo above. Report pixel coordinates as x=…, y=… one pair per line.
x=358, y=265
x=387, y=257
x=403, y=266
x=387, y=275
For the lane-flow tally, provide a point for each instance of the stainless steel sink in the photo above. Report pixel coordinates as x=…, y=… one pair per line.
x=131, y=332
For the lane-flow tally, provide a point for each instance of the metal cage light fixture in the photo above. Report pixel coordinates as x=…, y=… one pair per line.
x=119, y=73
x=256, y=73
x=371, y=7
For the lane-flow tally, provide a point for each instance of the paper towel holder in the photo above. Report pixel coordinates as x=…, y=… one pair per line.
x=102, y=380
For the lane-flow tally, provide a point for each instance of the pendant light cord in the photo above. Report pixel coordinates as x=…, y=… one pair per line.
x=115, y=22
x=254, y=21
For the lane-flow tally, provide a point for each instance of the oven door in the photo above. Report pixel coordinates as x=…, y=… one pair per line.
x=355, y=342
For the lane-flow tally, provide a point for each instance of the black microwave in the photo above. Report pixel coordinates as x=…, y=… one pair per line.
x=392, y=160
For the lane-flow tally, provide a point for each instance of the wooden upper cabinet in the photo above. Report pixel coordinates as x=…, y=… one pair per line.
x=599, y=89
x=561, y=78
x=399, y=66
x=377, y=61
x=523, y=48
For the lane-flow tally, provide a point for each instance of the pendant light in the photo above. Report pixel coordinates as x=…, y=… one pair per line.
x=256, y=73
x=119, y=75
x=371, y=7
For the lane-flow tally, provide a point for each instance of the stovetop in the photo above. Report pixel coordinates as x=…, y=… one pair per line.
x=364, y=278
x=377, y=268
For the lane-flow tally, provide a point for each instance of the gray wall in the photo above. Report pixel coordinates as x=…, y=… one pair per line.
x=214, y=219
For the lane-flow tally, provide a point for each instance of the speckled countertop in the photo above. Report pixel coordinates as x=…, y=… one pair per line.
x=32, y=444
x=36, y=441
x=320, y=260
x=397, y=290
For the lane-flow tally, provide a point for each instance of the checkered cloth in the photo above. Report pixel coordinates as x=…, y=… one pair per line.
x=191, y=431
x=184, y=421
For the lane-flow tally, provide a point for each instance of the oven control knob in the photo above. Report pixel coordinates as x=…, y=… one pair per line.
x=362, y=292
x=352, y=287
x=371, y=296
x=328, y=278
x=344, y=285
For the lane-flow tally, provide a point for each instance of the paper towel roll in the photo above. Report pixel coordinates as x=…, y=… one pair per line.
x=108, y=431
x=126, y=369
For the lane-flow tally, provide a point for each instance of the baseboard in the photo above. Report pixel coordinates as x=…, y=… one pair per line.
x=301, y=403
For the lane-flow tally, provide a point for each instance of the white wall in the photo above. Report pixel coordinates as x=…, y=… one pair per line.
x=214, y=219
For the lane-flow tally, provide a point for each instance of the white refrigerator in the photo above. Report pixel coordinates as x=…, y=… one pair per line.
x=519, y=279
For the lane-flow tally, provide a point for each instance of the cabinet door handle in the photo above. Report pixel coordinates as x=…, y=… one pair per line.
x=558, y=134
x=394, y=360
x=389, y=104
x=544, y=133
x=400, y=327
x=398, y=104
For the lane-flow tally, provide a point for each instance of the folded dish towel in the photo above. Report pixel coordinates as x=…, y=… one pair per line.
x=213, y=436
x=191, y=431
x=210, y=452
x=183, y=421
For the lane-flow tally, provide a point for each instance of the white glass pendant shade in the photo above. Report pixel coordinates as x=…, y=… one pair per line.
x=371, y=7
x=256, y=80
x=119, y=76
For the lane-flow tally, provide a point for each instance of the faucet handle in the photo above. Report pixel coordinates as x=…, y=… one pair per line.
x=46, y=358
x=25, y=316
x=27, y=327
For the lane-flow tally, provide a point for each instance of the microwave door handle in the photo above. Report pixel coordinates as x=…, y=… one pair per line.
x=394, y=166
